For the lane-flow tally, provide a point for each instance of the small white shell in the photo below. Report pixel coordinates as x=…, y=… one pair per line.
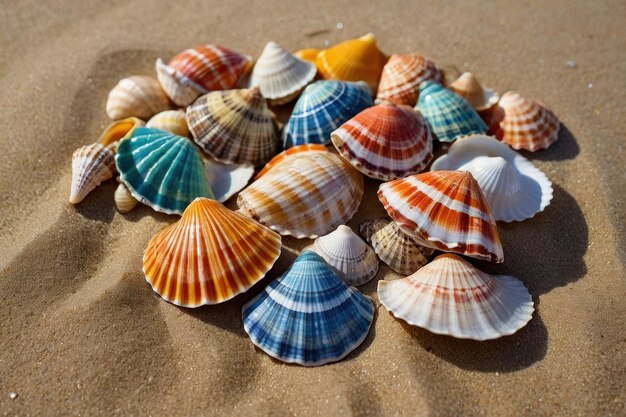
x=172, y=121
x=226, y=180
x=136, y=96
x=124, y=200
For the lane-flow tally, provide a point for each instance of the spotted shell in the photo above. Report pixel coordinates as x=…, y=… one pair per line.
x=402, y=76
x=137, y=96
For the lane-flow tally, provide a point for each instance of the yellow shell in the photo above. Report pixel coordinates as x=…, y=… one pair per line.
x=119, y=130
x=308, y=54
x=137, y=96
x=172, y=121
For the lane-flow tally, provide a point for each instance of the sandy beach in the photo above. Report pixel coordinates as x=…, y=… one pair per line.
x=82, y=333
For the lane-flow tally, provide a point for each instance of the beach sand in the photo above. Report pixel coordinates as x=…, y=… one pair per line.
x=81, y=332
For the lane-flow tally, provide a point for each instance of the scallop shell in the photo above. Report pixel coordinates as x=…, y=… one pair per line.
x=91, y=165
x=124, y=200
x=468, y=87
x=119, y=130
x=353, y=60
x=226, y=180
x=136, y=96
x=524, y=124
x=209, y=256
x=172, y=121
x=306, y=195
x=308, y=315
x=444, y=210
x=448, y=114
x=286, y=154
x=199, y=70
x=385, y=141
x=449, y=296
x=308, y=54
x=234, y=126
x=398, y=250
x=162, y=170
x=514, y=188
x=280, y=75
x=351, y=258
x=402, y=76
x=368, y=228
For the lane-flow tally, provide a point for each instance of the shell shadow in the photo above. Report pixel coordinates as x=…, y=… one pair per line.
x=98, y=205
x=564, y=148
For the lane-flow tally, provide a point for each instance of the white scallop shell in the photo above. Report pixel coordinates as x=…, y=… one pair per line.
x=137, y=96
x=227, y=179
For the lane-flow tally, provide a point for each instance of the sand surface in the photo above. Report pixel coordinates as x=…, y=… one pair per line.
x=81, y=332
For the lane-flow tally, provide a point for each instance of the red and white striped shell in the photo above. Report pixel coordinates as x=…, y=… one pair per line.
x=402, y=76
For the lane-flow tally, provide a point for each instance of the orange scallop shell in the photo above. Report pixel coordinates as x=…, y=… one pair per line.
x=402, y=76
x=308, y=54
x=294, y=150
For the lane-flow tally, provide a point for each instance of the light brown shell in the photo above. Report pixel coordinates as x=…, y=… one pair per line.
x=137, y=96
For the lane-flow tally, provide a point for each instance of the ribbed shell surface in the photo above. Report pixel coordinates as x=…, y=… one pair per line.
x=137, y=96
x=468, y=87
x=402, y=76
x=398, y=250
x=124, y=200
x=91, y=165
x=288, y=153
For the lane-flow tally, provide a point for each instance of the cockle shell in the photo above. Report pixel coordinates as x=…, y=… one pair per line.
x=468, y=87
x=448, y=114
x=124, y=200
x=308, y=315
x=305, y=195
x=351, y=258
x=514, y=188
x=524, y=124
x=288, y=153
x=119, y=130
x=449, y=296
x=280, y=75
x=162, y=170
x=385, y=141
x=199, y=70
x=308, y=54
x=172, y=121
x=136, y=96
x=353, y=60
x=91, y=165
x=226, y=180
x=444, y=210
x=234, y=126
x=402, y=76
x=322, y=108
x=209, y=256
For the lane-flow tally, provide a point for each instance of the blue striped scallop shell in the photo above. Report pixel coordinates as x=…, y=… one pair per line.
x=308, y=315
x=447, y=113
x=322, y=108
x=162, y=170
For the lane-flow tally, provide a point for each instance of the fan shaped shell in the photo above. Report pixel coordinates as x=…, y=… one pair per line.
x=468, y=87
x=172, y=121
x=398, y=250
x=402, y=76
x=288, y=153
x=226, y=180
x=137, y=96
x=91, y=165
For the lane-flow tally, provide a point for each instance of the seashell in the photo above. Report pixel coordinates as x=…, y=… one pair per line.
x=353, y=60
x=226, y=180
x=286, y=154
x=385, y=141
x=444, y=210
x=234, y=126
x=524, y=124
x=308, y=54
x=308, y=315
x=209, y=256
x=199, y=70
x=172, y=121
x=449, y=296
x=280, y=75
x=402, y=76
x=124, y=200
x=348, y=255
x=306, y=195
x=119, y=130
x=322, y=108
x=514, y=188
x=137, y=96
x=368, y=228
x=398, y=250
x=91, y=165
x=468, y=87
x=162, y=170
x=448, y=114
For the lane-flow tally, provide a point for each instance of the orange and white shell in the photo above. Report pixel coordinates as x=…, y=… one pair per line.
x=209, y=256
x=137, y=96
x=479, y=97
x=172, y=121
x=288, y=153
x=124, y=200
x=306, y=195
x=524, y=124
x=444, y=210
x=91, y=165
x=450, y=296
x=402, y=76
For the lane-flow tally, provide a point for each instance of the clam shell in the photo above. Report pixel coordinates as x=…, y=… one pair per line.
x=308, y=54
x=322, y=108
x=209, y=256
x=137, y=96
x=280, y=75
x=398, y=250
x=448, y=114
x=385, y=141
x=514, y=188
x=162, y=170
x=226, y=180
x=468, y=87
x=234, y=126
x=524, y=124
x=353, y=60
x=308, y=315
x=449, y=296
x=444, y=210
x=91, y=165
x=402, y=76
x=172, y=121
x=119, y=130
x=286, y=154
x=124, y=200
x=351, y=258
x=306, y=195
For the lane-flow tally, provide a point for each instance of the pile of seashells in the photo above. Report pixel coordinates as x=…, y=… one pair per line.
x=382, y=115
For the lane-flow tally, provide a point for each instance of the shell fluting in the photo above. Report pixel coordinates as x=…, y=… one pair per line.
x=385, y=141
x=209, y=256
x=369, y=227
x=172, y=121
x=124, y=200
x=450, y=296
x=288, y=153
x=137, y=96
x=91, y=165
x=402, y=76
x=226, y=180
x=479, y=97
x=398, y=250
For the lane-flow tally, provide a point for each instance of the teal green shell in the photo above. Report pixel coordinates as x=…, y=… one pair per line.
x=162, y=170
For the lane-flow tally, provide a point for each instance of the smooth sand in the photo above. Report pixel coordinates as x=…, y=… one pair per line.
x=81, y=332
